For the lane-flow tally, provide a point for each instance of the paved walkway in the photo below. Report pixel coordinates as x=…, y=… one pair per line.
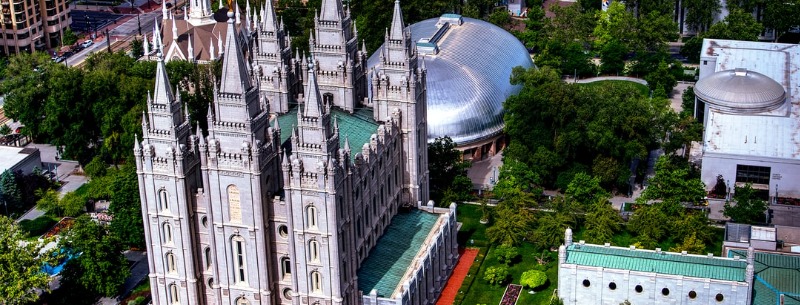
x=63, y=170
x=481, y=172
x=602, y=78
x=460, y=272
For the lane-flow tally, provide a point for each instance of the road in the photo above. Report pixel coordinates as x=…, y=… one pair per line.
x=79, y=57
x=131, y=27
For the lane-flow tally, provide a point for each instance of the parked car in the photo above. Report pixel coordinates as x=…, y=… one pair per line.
x=87, y=44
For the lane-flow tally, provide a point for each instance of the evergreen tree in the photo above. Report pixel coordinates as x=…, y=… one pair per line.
x=9, y=191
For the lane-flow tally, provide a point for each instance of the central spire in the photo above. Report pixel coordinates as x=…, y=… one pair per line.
x=331, y=10
x=313, y=102
x=396, y=32
x=235, y=78
x=163, y=92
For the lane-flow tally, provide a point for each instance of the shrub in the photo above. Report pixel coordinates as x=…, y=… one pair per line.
x=533, y=279
x=506, y=254
x=95, y=168
x=496, y=275
x=37, y=226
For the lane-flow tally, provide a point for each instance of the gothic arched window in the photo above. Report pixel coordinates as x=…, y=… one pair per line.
x=242, y=301
x=313, y=251
x=234, y=204
x=239, y=259
x=286, y=267
x=171, y=266
x=173, y=294
x=311, y=216
x=316, y=282
x=167, y=233
x=163, y=200
x=207, y=253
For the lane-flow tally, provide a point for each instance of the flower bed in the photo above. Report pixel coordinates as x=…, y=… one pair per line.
x=62, y=225
x=511, y=295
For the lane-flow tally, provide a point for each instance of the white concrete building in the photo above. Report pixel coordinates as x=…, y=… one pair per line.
x=749, y=101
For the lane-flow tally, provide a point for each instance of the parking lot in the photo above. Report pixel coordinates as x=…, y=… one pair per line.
x=85, y=21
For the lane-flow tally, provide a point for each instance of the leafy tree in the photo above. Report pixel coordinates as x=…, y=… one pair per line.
x=720, y=188
x=50, y=203
x=691, y=244
x=69, y=37
x=569, y=24
x=445, y=164
x=533, y=279
x=25, y=87
x=95, y=168
x=781, y=15
x=700, y=13
x=137, y=48
x=602, y=222
x=127, y=225
x=5, y=130
x=500, y=18
x=586, y=190
x=661, y=79
x=101, y=267
x=73, y=204
x=506, y=254
x=513, y=221
x=748, y=209
x=649, y=221
x=21, y=263
x=9, y=189
x=550, y=228
x=496, y=275
x=695, y=223
x=738, y=25
x=612, y=57
x=674, y=182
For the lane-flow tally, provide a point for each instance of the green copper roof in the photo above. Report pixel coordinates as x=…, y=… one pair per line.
x=394, y=252
x=650, y=261
x=775, y=274
x=357, y=127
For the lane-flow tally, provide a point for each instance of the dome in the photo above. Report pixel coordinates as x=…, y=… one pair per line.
x=468, y=79
x=740, y=91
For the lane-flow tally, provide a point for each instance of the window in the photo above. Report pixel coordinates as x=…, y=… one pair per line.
x=173, y=294
x=204, y=221
x=163, y=200
x=171, y=267
x=167, y=233
x=612, y=286
x=316, y=282
x=692, y=294
x=242, y=301
x=211, y=283
x=239, y=260
x=639, y=288
x=286, y=267
x=283, y=231
x=311, y=216
x=208, y=257
x=719, y=297
x=752, y=174
x=313, y=251
x=327, y=99
x=234, y=204
x=665, y=291
x=586, y=283
x=287, y=294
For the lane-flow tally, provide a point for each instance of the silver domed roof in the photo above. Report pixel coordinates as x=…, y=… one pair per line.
x=468, y=79
x=740, y=91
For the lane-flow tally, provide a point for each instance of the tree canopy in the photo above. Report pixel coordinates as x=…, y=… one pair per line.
x=748, y=208
x=20, y=265
x=100, y=266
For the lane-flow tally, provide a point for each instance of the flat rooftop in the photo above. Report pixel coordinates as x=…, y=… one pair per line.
x=775, y=274
x=395, y=252
x=697, y=266
x=11, y=156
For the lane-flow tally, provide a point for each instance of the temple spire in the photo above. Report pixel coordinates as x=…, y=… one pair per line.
x=331, y=10
x=163, y=92
x=313, y=102
x=396, y=33
x=268, y=18
x=235, y=78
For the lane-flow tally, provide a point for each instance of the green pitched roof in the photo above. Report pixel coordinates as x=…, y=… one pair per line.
x=775, y=274
x=357, y=127
x=394, y=252
x=651, y=261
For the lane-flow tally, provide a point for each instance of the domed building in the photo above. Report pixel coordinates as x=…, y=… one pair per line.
x=466, y=87
x=749, y=103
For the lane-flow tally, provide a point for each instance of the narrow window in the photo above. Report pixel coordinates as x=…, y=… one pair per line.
x=313, y=251
x=239, y=260
x=316, y=282
x=173, y=294
x=163, y=200
x=167, y=228
x=171, y=267
x=286, y=267
x=311, y=216
x=208, y=257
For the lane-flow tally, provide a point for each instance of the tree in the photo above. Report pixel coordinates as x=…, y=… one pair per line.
x=500, y=18
x=5, y=130
x=444, y=165
x=21, y=263
x=25, y=87
x=506, y=254
x=137, y=48
x=101, y=267
x=602, y=222
x=674, y=182
x=496, y=275
x=748, y=208
x=649, y=221
x=533, y=279
x=690, y=244
x=738, y=25
x=700, y=13
x=586, y=190
x=512, y=223
x=127, y=225
x=781, y=15
x=69, y=37
x=96, y=168
x=612, y=57
x=550, y=228
x=661, y=79
x=50, y=203
x=9, y=190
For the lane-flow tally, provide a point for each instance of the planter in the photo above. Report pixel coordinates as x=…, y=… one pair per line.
x=484, y=221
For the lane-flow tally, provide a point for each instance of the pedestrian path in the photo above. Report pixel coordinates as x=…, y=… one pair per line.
x=460, y=272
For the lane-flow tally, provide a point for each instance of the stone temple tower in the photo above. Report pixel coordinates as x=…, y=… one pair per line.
x=274, y=65
x=398, y=91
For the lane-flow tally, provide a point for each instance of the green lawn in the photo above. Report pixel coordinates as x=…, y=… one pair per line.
x=605, y=83
x=35, y=228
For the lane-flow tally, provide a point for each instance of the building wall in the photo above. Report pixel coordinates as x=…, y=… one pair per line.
x=26, y=25
x=784, y=174
x=572, y=290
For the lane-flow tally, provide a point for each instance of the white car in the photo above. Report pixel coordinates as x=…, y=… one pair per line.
x=87, y=43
